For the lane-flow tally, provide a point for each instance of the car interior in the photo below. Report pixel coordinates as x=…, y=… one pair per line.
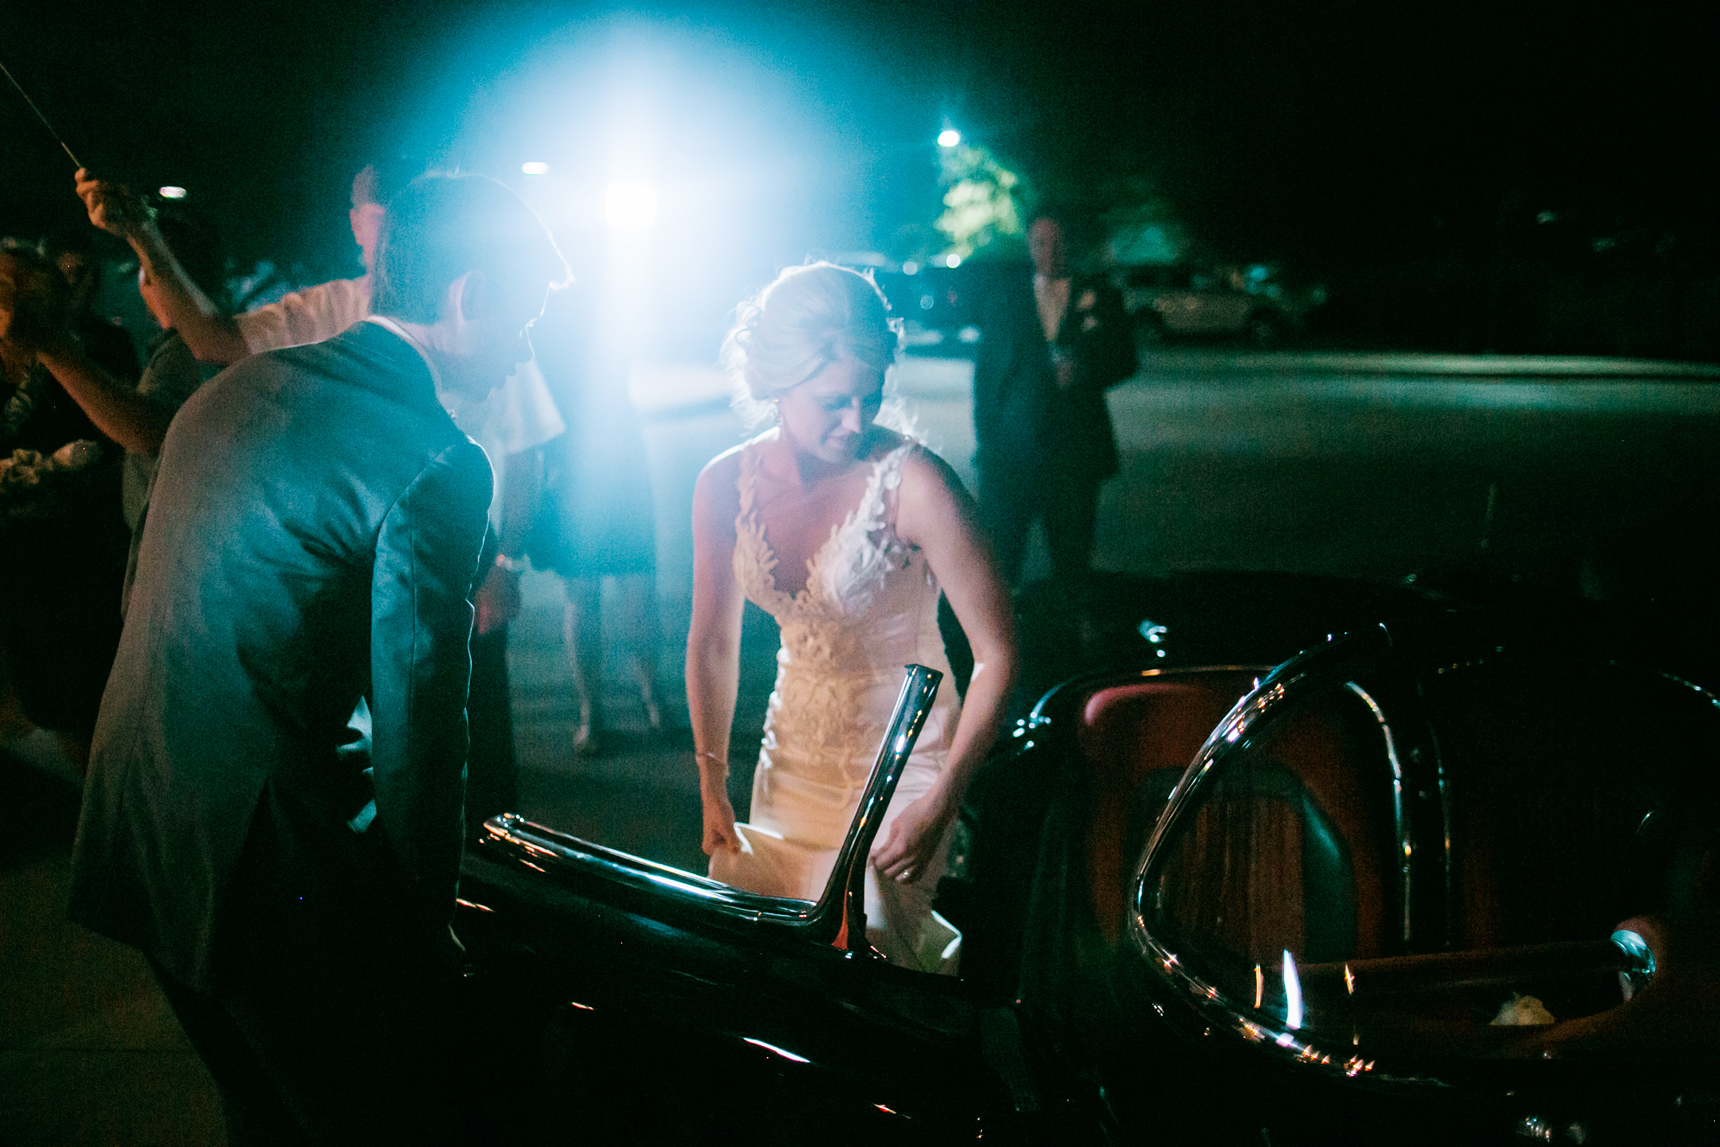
x=1281, y=883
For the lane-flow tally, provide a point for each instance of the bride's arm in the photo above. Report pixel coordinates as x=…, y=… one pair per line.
x=936, y=514
x=713, y=644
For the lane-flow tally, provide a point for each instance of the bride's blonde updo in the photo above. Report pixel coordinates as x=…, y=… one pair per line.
x=809, y=317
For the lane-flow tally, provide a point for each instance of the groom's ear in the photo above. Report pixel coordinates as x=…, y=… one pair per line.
x=468, y=297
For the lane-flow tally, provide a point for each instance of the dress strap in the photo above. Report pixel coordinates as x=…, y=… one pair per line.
x=877, y=508
x=746, y=482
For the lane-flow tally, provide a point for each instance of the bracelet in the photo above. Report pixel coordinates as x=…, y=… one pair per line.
x=510, y=565
x=706, y=754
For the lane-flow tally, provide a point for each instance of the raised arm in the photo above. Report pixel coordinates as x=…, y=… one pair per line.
x=937, y=515
x=211, y=335
x=135, y=421
x=714, y=644
x=33, y=320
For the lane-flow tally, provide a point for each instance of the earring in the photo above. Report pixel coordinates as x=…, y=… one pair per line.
x=776, y=411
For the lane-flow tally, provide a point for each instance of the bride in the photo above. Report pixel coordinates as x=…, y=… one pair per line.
x=844, y=531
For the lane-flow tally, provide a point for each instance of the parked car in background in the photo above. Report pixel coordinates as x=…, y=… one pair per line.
x=937, y=304
x=1250, y=303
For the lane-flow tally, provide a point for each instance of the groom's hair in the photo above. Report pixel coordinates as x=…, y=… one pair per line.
x=439, y=227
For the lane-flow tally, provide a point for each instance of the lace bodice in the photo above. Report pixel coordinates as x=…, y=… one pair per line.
x=862, y=574
x=869, y=607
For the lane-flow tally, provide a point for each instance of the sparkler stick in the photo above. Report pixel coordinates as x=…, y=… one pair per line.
x=40, y=116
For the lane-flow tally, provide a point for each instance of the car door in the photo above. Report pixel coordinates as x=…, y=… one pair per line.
x=636, y=1002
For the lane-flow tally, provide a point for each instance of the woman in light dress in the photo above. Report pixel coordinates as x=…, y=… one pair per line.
x=845, y=532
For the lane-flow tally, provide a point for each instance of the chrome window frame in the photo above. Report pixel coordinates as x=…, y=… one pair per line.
x=836, y=920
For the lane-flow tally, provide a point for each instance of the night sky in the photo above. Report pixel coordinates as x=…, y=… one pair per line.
x=1308, y=132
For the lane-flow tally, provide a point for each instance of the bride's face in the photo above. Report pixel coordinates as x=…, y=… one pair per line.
x=828, y=415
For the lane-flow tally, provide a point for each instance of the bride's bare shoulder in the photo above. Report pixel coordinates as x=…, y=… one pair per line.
x=725, y=468
x=924, y=467
x=931, y=490
x=932, y=497
x=716, y=493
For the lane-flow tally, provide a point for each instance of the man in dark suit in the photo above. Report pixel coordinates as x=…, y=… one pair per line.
x=1051, y=347
x=313, y=536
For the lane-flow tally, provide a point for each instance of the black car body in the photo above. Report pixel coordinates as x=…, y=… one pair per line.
x=1302, y=936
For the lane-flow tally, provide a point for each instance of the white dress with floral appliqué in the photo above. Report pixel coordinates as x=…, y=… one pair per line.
x=869, y=607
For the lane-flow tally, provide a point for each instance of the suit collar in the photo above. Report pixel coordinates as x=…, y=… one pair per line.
x=398, y=363
x=402, y=333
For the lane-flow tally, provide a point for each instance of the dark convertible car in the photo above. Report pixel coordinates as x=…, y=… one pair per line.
x=1452, y=877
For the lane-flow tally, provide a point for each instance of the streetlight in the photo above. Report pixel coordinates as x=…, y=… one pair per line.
x=949, y=137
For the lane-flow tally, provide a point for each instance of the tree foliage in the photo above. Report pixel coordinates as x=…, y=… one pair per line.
x=983, y=203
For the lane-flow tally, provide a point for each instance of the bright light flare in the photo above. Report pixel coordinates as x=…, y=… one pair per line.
x=949, y=137
x=534, y=167
x=630, y=206
x=171, y=192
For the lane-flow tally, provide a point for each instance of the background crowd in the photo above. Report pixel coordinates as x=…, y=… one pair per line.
x=85, y=413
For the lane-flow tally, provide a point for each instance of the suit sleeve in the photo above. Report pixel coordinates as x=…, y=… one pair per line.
x=992, y=364
x=1107, y=342
x=421, y=623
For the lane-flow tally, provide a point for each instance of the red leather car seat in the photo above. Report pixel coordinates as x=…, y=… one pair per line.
x=1129, y=733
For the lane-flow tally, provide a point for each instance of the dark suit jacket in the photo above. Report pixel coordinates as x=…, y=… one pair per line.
x=313, y=536
x=1022, y=419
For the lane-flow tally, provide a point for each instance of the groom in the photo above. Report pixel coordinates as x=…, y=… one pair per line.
x=314, y=529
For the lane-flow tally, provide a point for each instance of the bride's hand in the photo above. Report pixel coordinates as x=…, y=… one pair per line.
x=913, y=840
x=719, y=820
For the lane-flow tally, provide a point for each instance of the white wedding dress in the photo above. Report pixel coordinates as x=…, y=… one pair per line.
x=869, y=607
